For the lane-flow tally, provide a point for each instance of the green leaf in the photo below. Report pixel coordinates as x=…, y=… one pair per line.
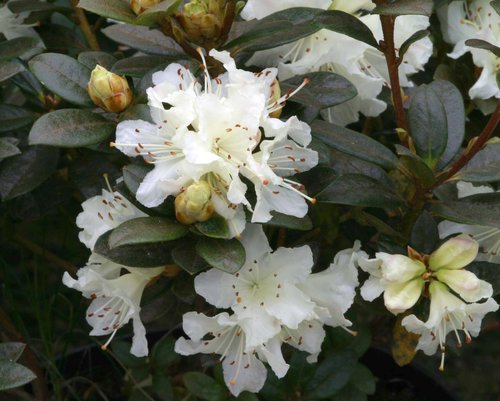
x=416, y=166
x=8, y=147
x=155, y=14
x=247, y=396
x=496, y=6
x=13, y=375
x=354, y=143
x=290, y=222
x=64, y=76
x=142, y=38
x=489, y=272
x=428, y=124
x=203, y=386
x=70, y=128
x=142, y=255
x=349, y=393
x=424, y=236
x=92, y=58
x=405, y=7
x=226, y=255
x=18, y=47
x=116, y=9
x=412, y=39
x=216, y=227
x=362, y=378
x=183, y=288
x=331, y=375
x=453, y=103
x=121, y=350
x=163, y=353
x=189, y=261
x=289, y=25
x=359, y=190
x=483, y=44
x=8, y=69
x=11, y=351
x=325, y=89
x=133, y=175
x=137, y=66
x=162, y=387
x=137, y=112
x=146, y=230
x=19, y=6
x=14, y=117
x=22, y=173
x=471, y=211
x=484, y=166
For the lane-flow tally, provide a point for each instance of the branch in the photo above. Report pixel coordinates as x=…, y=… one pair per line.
x=476, y=146
x=83, y=23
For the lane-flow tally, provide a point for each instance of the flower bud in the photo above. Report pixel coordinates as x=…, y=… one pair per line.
x=455, y=253
x=194, y=204
x=139, y=6
x=109, y=91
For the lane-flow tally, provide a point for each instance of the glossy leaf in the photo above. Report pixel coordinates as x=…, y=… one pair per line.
x=424, y=236
x=290, y=222
x=216, y=227
x=14, y=375
x=188, y=260
x=8, y=69
x=146, y=230
x=8, y=147
x=116, y=9
x=362, y=378
x=155, y=14
x=64, y=76
x=203, y=386
x=92, y=58
x=18, y=47
x=471, y=211
x=225, y=255
x=483, y=44
x=324, y=89
x=14, y=117
x=405, y=7
x=496, y=5
x=412, y=39
x=70, y=128
x=354, y=143
x=11, y=351
x=428, y=124
x=163, y=353
x=484, y=166
x=137, y=66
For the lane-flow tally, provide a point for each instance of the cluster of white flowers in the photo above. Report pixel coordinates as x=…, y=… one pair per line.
x=330, y=51
x=213, y=133
x=453, y=291
x=275, y=299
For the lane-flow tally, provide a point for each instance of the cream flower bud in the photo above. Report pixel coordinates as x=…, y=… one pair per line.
x=109, y=91
x=202, y=20
x=455, y=253
x=194, y=204
x=139, y=6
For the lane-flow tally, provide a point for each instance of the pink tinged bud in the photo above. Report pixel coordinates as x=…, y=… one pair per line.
x=455, y=253
x=109, y=91
x=399, y=297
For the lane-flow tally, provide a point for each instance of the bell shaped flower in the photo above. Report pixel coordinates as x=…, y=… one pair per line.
x=487, y=237
x=115, y=298
x=447, y=313
x=265, y=290
x=462, y=20
x=102, y=213
x=225, y=335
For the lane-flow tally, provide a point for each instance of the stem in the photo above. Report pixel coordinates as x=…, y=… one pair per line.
x=388, y=48
x=83, y=22
x=476, y=146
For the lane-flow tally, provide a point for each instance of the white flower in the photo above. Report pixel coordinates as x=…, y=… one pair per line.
x=262, y=8
x=209, y=133
x=102, y=213
x=447, y=313
x=487, y=237
x=265, y=290
x=243, y=371
x=364, y=66
x=115, y=299
x=11, y=25
x=462, y=20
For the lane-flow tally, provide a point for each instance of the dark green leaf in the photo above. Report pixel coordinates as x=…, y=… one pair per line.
x=18, y=47
x=137, y=112
x=354, y=143
x=22, y=173
x=92, y=58
x=484, y=166
x=412, y=39
x=428, y=124
x=142, y=255
x=225, y=255
x=70, y=128
x=469, y=212
x=121, y=350
x=183, y=288
x=163, y=353
x=246, y=396
x=325, y=89
x=19, y=6
x=331, y=375
x=416, y=166
x=187, y=259
x=349, y=393
x=116, y=9
x=216, y=227
x=162, y=387
x=146, y=230
x=359, y=190
x=405, y=7
x=453, y=103
x=424, y=236
x=8, y=69
x=483, y=44
x=203, y=386
x=290, y=222
x=155, y=14
x=137, y=66
x=489, y=272
x=14, y=117
x=142, y=38
x=133, y=175
x=11, y=351
x=8, y=147
x=64, y=76
x=13, y=375
x=496, y=6
x=363, y=379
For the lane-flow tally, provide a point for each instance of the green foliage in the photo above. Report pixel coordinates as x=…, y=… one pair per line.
x=225, y=255
x=13, y=374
